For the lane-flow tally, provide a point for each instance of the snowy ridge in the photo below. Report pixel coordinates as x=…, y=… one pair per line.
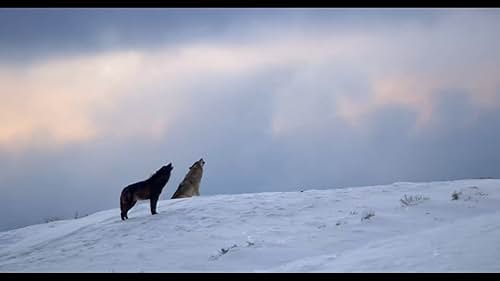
x=403, y=227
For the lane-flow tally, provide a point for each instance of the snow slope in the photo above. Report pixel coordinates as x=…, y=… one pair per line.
x=361, y=229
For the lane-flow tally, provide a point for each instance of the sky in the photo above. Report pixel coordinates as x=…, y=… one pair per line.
x=273, y=100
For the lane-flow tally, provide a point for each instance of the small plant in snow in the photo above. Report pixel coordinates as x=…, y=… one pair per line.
x=480, y=193
x=340, y=222
x=222, y=252
x=225, y=250
x=51, y=219
x=455, y=195
x=77, y=215
x=412, y=200
x=367, y=215
x=250, y=241
x=472, y=193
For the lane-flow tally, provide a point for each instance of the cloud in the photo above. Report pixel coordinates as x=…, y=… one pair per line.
x=407, y=66
x=53, y=102
x=347, y=76
x=58, y=101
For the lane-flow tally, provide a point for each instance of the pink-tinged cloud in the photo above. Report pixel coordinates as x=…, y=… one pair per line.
x=61, y=100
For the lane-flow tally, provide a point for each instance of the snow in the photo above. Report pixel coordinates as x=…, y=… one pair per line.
x=357, y=229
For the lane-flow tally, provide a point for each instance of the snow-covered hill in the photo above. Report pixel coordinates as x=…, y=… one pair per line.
x=360, y=229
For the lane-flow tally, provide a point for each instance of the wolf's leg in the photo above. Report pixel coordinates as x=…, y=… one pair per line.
x=132, y=204
x=153, y=201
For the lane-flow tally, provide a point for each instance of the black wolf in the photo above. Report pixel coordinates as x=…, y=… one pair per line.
x=144, y=190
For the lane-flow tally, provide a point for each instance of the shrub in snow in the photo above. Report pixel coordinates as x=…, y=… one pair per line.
x=249, y=243
x=77, y=216
x=472, y=193
x=341, y=222
x=225, y=250
x=222, y=252
x=412, y=199
x=367, y=214
x=50, y=219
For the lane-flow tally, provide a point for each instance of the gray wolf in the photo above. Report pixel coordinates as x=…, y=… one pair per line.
x=190, y=186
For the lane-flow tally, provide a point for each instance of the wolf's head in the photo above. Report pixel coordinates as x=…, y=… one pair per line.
x=163, y=174
x=165, y=171
x=198, y=164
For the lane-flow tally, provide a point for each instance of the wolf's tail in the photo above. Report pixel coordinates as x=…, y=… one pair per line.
x=176, y=193
x=124, y=202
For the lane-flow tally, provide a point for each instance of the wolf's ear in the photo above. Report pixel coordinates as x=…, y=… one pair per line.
x=170, y=165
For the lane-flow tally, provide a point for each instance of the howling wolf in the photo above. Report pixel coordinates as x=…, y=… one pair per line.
x=144, y=190
x=190, y=186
